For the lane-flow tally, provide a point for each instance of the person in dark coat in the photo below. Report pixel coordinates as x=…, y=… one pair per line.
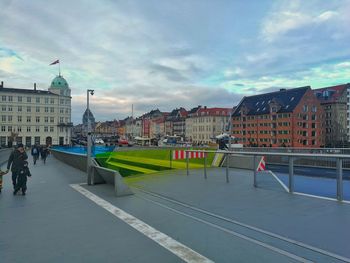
x=44, y=153
x=22, y=179
x=35, y=153
x=16, y=162
x=222, y=145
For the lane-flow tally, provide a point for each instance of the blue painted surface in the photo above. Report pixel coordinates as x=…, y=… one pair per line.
x=82, y=149
x=326, y=187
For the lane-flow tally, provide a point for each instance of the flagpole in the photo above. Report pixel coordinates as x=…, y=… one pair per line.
x=59, y=68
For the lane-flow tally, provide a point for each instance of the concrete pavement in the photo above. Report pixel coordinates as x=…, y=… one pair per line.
x=232, y=222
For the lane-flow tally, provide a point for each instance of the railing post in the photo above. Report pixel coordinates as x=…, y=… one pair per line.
x=187, y=161
x=205, y=166
x=339, y=179
x=255, y=170
x=171, y=159
x=291, y=174
x=227, y=165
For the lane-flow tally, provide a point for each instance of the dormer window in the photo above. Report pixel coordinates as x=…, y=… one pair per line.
x=257, y=103
x=292, y=98
x=273, y=109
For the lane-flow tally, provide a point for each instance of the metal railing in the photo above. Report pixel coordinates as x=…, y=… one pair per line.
x=339, y=159
x=308, y=160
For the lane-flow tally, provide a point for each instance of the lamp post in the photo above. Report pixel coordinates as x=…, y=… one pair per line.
x=88, y=159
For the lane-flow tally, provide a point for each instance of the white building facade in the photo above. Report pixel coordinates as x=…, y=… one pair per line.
x=32, y=116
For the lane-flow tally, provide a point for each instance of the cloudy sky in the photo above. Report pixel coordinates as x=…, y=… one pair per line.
x=166, y=54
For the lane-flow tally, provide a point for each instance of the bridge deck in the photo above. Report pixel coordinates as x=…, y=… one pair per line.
x=62, y=225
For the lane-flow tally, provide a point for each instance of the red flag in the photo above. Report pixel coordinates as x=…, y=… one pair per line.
x=55, y=62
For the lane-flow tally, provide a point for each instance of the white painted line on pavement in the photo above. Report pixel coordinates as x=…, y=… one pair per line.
x=278, y=180
x=175, y=247
x=307, y=195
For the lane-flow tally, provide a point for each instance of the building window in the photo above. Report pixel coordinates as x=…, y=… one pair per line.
x=29, y=99
x=19, y=108
x=46, y=100
x=3, y=108
x=37, y=99
x=61, y=101
x=52, y=119
x=46, y=129
x=10, y=108
x=314, y=109
x=19, y=129
x=37, y=119
x=51, y=129
x=61, y=110
x=29, y=119
x=29, y=109
x=9, y=128
x=3, y=128
x=52, y=101
x=61, y=129
x=10, y=98
x=19, y=99
x=9, y=118
x=52, y=109
x=46, y=119
x=3, y=118
x=61, y=119
x=28, y=129
x=3, y=98
x=37, y=109
x=37, y=128
x=19, y=118
x=46, y=109
x=305, y=108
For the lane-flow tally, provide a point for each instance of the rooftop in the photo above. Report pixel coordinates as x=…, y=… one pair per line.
x=287, y=99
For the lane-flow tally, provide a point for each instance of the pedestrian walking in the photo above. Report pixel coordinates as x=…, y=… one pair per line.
x=35, y=153
x=44, y=153
x=16, y=162
x=23, y=173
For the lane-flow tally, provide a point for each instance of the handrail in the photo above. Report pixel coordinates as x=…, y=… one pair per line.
x=342, y=156
x=291, y=156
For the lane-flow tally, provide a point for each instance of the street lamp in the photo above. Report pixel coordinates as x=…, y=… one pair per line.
x=88, y=160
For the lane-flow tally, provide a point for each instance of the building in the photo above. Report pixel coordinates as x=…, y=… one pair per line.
x=207, y=123
x=348, y=111
x=175, y=122
x=189, y=122
x=334, y=102
x=133, y=127
x=33, y=116
x=292, y=118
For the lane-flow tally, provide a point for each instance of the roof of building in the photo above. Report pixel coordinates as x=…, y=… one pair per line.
x=194, y=110
x=27, y=91
x=331, y=94
x=59, y=82
x=287, y=99
x=213, y=111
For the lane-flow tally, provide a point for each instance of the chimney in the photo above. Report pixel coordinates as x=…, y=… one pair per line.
x=2, y=84
x=35, y=86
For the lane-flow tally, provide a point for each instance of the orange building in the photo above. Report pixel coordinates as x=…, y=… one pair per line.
x=288, y=117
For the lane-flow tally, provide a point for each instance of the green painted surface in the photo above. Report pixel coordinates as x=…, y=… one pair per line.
x=147, y=161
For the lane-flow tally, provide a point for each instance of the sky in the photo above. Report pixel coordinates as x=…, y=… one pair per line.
x=169, y=54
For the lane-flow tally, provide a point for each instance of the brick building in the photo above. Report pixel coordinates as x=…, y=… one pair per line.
x=292, y=118
x=334, y=102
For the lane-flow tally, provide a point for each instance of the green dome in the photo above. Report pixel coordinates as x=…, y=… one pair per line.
x=59, y=82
